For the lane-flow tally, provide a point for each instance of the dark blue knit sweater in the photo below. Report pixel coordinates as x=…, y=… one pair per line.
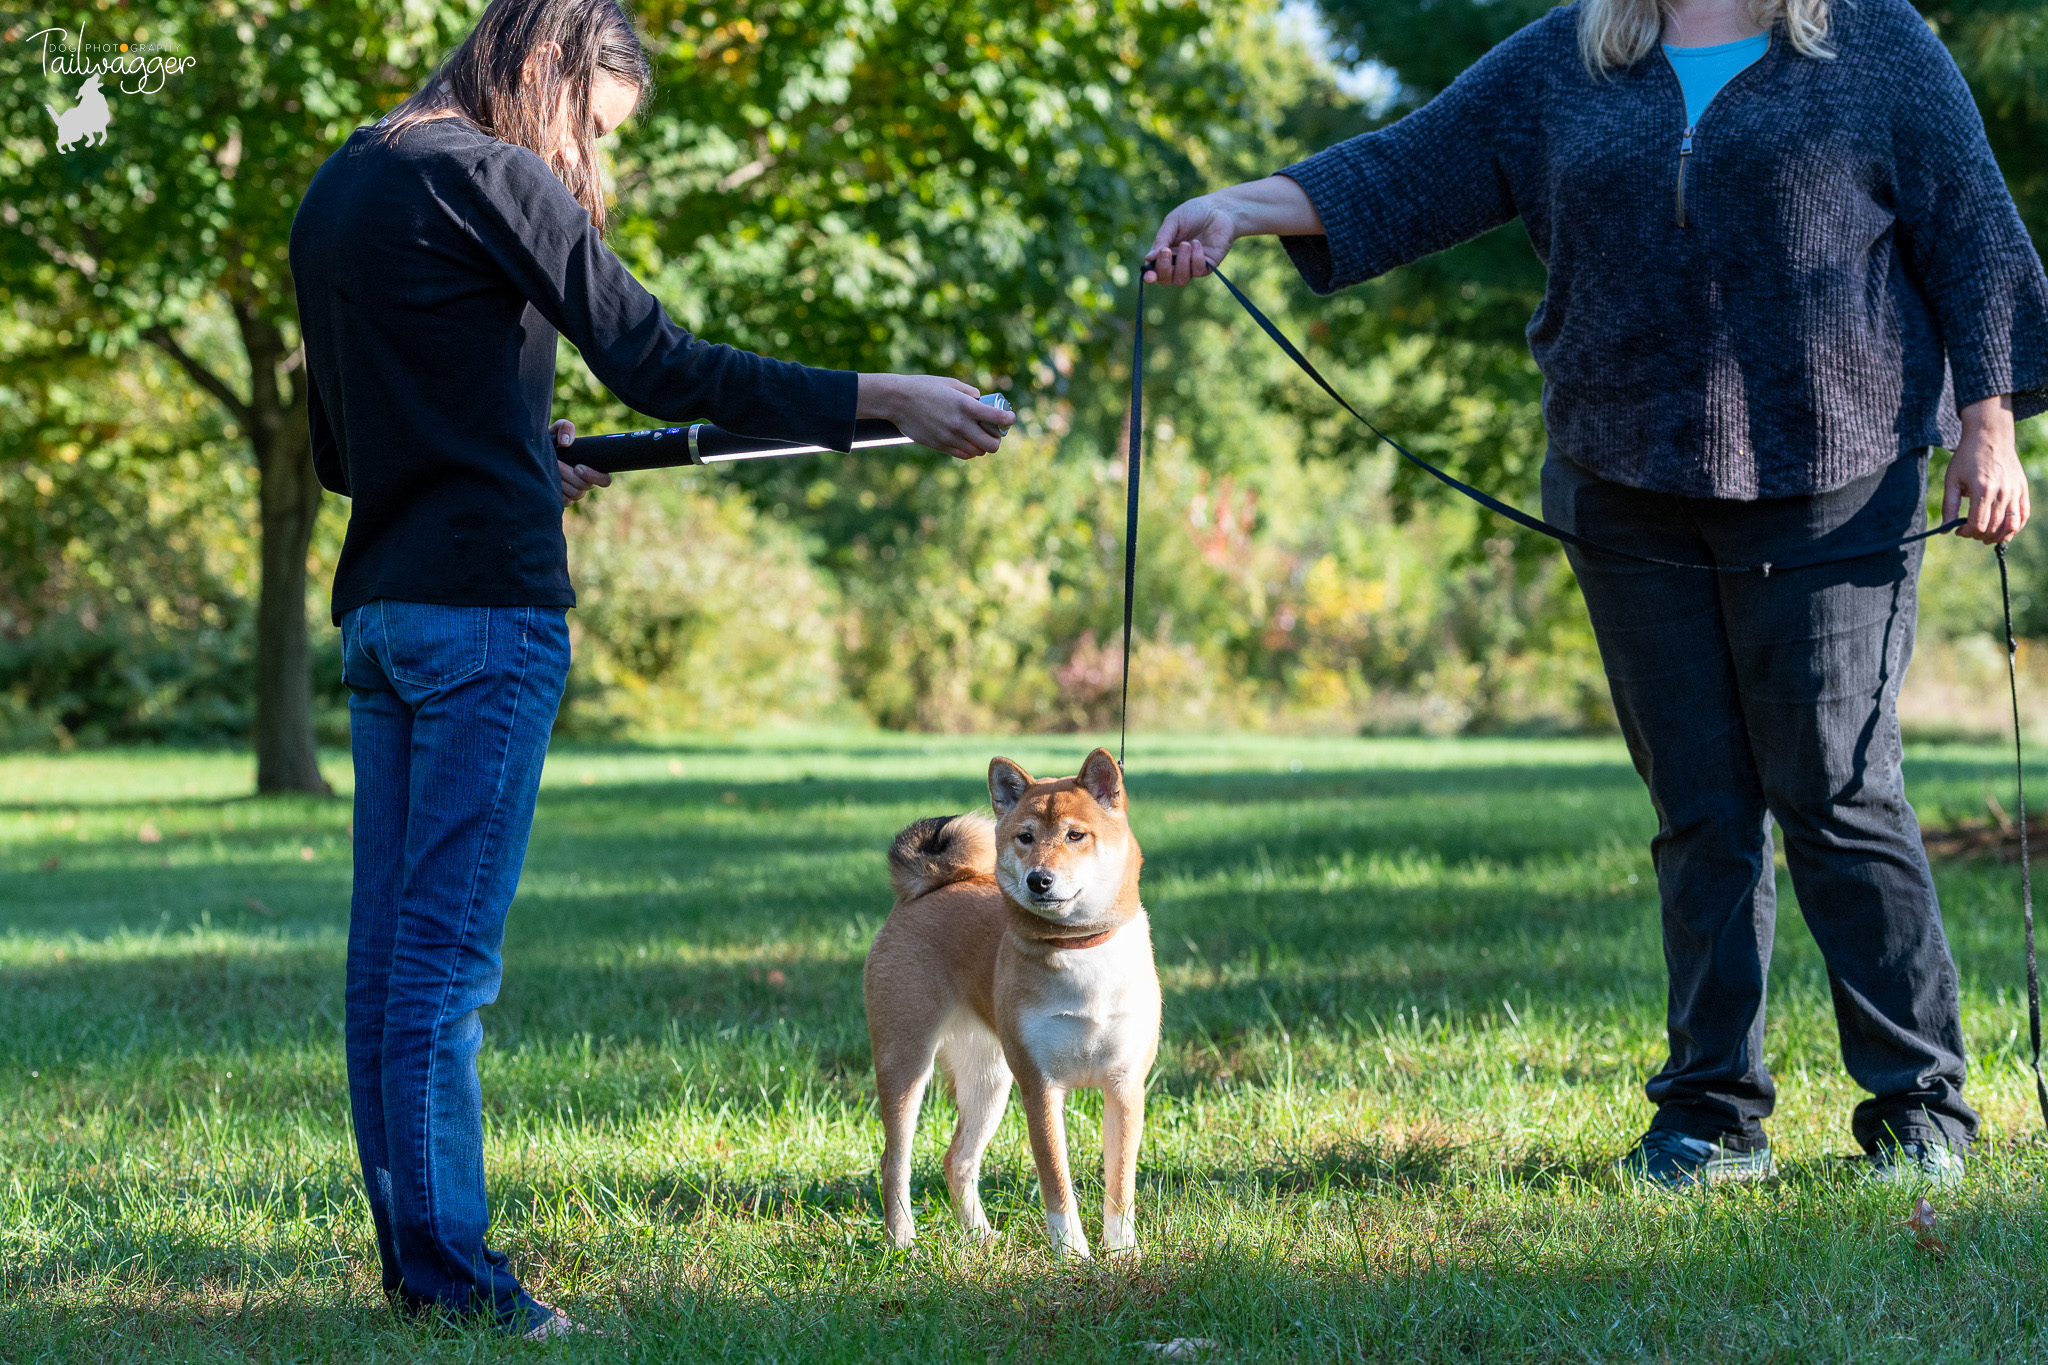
x=1845, y=267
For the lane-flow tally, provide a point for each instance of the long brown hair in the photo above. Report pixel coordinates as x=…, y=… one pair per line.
x=506, y=79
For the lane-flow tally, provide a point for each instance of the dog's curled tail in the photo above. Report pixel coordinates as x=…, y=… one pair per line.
x=940, y=851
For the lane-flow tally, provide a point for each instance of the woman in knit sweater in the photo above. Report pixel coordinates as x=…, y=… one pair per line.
x=1783, y=267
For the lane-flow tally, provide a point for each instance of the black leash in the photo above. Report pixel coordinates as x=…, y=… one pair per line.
x=2012, y=677
x=1516, y=514
x=1134, y=460
x=1558, y=533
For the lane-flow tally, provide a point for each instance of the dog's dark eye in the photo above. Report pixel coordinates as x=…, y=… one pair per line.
x=1023, y=836
x=1075, y=836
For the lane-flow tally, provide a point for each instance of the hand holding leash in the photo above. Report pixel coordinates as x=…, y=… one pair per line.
x=1986, y=468
x=1196, y=237
x=1193, y=235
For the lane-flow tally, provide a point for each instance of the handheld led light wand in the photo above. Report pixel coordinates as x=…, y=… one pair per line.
x=702, y=443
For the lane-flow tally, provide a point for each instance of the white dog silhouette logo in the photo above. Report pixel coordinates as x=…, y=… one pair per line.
x=87, y=119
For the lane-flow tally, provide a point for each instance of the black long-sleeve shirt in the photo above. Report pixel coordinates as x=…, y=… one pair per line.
x=434, y=271
x=1846, y=270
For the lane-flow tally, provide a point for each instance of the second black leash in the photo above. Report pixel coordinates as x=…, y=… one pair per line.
x=1135, y=459
x=2012, y=677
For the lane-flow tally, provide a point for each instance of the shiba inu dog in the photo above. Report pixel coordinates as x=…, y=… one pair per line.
x=1017, y=949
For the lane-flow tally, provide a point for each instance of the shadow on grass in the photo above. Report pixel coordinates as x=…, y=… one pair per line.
x=1235, y=967
x=807, y=793
x=1295, y=961
x=798, y=794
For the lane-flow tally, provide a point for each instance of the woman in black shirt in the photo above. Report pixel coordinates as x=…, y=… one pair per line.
x=437, y=257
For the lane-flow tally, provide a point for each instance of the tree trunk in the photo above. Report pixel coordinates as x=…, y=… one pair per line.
x=289, y=498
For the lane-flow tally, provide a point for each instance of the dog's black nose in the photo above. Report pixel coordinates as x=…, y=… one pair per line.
x=1040, y=881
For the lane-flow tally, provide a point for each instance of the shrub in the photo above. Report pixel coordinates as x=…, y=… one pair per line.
x=695, y=612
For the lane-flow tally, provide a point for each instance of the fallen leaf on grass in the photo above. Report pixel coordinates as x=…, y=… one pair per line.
x=52, y=864
x=1925, y=1231
x=1180, y=1348
x=149, y=833
x=259, y=907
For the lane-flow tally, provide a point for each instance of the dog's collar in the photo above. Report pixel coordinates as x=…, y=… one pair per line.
x=1085, y=941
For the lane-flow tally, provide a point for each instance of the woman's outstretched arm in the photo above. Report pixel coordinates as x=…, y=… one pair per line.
x=530, y=224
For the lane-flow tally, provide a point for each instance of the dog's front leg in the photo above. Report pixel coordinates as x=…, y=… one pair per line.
x=1045, y=1115
x=1123, y=1127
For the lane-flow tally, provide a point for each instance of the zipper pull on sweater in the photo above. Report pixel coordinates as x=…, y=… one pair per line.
x=1684, y=151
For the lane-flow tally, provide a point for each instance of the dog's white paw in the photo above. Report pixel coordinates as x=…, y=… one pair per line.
x=1119, y=1235
x=1067, y=1237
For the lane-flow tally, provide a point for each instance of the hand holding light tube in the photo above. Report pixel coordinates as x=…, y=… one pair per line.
x=934, y=414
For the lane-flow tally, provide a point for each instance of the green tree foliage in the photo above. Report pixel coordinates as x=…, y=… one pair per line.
x=952, y=187
x=123, y=604
x=186, y=206
x=2002, y=48
x=861, y=183
x=965, y=189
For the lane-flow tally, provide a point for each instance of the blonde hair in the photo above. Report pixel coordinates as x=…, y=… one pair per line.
x=1616, y=33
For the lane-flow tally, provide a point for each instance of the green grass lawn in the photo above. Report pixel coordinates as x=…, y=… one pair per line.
x=1412, y=991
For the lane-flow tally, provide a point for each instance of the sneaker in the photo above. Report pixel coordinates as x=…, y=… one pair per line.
x=1669, y=1160
x=1917, y=1161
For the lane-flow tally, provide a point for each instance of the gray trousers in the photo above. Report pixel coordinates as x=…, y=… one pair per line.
x=1744, y=697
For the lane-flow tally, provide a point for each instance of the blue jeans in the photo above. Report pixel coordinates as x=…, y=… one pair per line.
x=449, y=714
x=1744, y=697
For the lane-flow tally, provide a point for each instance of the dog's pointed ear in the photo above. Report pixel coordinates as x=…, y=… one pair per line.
x=1103, y=780
x=1006, y=783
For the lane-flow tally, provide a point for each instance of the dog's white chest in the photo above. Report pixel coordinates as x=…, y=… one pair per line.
x=1096, y=1014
